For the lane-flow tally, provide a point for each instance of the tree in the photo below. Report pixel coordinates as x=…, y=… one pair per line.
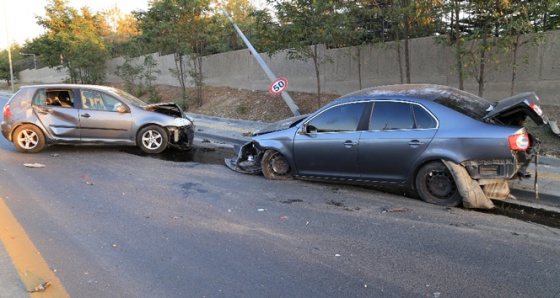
x=73, y=40
x=305, y=27
x=185, y=29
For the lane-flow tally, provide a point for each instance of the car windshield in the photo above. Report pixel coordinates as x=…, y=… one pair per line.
x=133, y=99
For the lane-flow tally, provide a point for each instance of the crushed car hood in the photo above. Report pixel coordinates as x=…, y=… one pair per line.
x=513, y=110
x=280, y=125
x=167, y=108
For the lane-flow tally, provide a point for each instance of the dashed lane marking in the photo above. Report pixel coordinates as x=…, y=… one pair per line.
x=31, y=267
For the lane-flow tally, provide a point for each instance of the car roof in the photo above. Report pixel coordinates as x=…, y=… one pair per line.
x=458, y=100
x=74, y=86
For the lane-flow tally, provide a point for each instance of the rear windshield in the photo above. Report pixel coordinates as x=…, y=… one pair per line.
x=465, y=103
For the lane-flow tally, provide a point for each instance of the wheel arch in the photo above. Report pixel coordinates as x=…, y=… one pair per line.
x=18, y=125
x=278, y=146
x=139, y=128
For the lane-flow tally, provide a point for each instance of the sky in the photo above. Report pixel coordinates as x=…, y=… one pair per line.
x=18, y=22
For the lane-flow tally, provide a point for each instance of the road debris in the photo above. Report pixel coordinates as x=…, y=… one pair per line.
x=399, y=209
x=40, y=288
x=34, y=165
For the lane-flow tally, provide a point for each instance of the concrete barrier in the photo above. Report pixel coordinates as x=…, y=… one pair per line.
x=376, y=64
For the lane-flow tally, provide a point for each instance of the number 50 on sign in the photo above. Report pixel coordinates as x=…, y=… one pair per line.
x=278, y=86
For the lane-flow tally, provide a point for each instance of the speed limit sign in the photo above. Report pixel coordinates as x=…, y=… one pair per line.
x=278, y=86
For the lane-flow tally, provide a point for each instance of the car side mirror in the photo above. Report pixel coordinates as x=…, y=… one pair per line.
x=121, y=109
x=307, y=129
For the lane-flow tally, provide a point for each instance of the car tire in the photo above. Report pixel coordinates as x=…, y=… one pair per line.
x=435, y=184
x=275, y=166
x=29, y=139
x=152, y=139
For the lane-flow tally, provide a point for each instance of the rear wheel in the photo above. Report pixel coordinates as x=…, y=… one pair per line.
x=275, y=166
x=436, y=185
x=29, y=139
x=152, y=139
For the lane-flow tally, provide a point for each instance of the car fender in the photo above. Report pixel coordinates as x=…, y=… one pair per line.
x=278, y=145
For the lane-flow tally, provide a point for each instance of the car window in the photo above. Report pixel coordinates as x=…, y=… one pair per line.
x=94, y=100
x=60, y=98
x=40, y=98
x=345, y=117
x=422, y=118
x=391, y=116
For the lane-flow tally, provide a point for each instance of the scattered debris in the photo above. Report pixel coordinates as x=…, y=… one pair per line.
x=55, y=155
x=261, y=210
x=335, y=203
x=462, y=224
x=291, y=201
x=40, y=288
x=89, y=183
x=34, y=165
x=399, y=209
x=283, y=217
x=337, y=255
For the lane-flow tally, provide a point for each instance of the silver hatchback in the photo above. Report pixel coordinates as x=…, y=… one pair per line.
x=40, y=115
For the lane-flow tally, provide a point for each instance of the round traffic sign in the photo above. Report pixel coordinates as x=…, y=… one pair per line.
x=278, y=86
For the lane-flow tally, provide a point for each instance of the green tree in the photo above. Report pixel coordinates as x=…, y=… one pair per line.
x=74, y=40
x=185, y=29
x=306, y=28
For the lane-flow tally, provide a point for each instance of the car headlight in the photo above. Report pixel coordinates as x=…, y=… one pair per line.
x=182, y=122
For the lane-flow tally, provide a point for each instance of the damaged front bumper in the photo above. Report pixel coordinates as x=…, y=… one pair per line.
x=181, y=137
x=247, y=160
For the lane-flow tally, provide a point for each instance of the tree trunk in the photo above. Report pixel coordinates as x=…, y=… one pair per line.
x=514, y=67
x=459, y=48
x=406, y=39
x=315, y=55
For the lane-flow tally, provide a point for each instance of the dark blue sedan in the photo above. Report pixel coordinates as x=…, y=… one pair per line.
x=451, y=146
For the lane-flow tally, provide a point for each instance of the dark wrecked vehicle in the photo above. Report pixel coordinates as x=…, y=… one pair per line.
x=41, y=115
x=451, y=146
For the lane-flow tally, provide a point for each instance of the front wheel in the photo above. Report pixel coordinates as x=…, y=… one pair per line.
x=275, y=166
x=152, y=139
x=29, y=139
x=436, y=185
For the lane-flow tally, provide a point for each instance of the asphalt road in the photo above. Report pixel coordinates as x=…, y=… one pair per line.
x=113, y=224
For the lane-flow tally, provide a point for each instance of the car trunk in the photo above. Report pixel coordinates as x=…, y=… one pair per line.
x=513, y=111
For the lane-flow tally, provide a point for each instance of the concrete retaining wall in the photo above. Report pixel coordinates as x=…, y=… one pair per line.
x=430, y=63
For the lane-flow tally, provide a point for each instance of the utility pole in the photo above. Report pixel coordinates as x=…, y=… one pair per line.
x=293, y=107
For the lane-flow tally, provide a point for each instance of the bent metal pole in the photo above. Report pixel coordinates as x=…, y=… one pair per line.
x=293, y=107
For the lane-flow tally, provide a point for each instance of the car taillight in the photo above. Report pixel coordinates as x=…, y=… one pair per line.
x=7, y=112
x=519, y=142
x=536, y=108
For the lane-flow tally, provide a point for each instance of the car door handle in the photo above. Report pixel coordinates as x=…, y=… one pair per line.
x=43, y=110
x=349, y=144
x=86, y=115
x=415, y=143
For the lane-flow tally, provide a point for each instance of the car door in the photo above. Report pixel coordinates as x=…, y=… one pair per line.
x=56, y=112
x=398, y=134
x=329, y=145
x=98, y=120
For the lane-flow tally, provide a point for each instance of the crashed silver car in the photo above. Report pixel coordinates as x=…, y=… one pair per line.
x=451, y=146
x=41, y=115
